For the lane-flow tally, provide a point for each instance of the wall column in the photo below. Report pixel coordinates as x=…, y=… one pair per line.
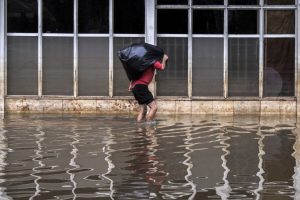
x=2, y=56
x=150, y=31
x=297, y=71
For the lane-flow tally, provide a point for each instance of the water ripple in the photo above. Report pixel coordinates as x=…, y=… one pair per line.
x=180, y=157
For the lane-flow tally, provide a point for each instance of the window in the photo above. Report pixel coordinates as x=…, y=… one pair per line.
x=279, y=22
x=243, y=2
x=93, y=66
x=279, y=67
x=172, y=2
x=129, y=16
x=58, y=16
x=243, y=67
x=22, y=74
x=208, y=2
x=93, y=16
x=208, y=67
x=173, y=80
x=58, y=66
x=243, y=21
x=280, y=2
x=208, y=21
x=22, y=16
x=165, y=16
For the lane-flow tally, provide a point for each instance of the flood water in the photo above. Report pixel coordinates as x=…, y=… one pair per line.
x=179, y=157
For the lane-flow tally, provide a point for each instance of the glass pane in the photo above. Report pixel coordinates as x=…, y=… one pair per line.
x=280, y=2
x=58, y=16
x=22, y=67
x=121, y=81
x=129, y=16
x=208, y=57
x=208, y=2
x=243, y=2
x=280, y=22
x=243, y=67
x=279, y=67
x=93, y=67
x=164, y=17
x=172, y=2
x=243, y=21
x=93, y=16
x=173, y=80
x=208, y=21
x=22, y=16
x=57, y=66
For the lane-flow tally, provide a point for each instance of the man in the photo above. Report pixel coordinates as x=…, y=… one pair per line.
x=141, y=91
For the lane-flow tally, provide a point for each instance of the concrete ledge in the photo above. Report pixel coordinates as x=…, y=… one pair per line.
x=164, y=106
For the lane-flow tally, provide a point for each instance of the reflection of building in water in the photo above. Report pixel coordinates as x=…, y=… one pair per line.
x=175, y=154
x=40, y=136
x=278, y=162
x=125, y=182
x=261, y=171
x=208, y=159
x=149, y=162
x=87, y=166
x=3, y=155
x=19, y=182
x=66, y=162
x=297, y=166
x=243, y=161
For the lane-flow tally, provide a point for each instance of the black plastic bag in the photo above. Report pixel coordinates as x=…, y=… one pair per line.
x=137, y=57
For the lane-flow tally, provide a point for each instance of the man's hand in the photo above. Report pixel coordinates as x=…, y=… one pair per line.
x=130, y=86
x=165, y=57
x=164, y=61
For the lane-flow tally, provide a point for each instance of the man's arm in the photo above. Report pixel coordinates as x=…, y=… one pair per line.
x=161, y=65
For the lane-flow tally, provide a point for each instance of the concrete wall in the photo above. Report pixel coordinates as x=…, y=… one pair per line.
x=14, y=105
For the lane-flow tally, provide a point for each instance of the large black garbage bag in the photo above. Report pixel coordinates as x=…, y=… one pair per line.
x=137, y=57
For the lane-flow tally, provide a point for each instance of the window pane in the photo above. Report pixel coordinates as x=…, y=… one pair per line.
x=243, y=2
x=22, y=67
x=173, y=80
x=57, y=66
x=243, y=21
x=208, y=57
x=93, y=16
x=93, y=67
x=243, y=67
x=121, y=81
x=208, y=21
x=164, y=17
x=279, y=67
x=129, y=16
x=208, y=2
x=58, y=16
x=22, y=16
x=279, y=22
x=172, y=2
x=280, y=2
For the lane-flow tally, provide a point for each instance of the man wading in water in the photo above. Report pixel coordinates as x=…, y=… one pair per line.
x=141, y=91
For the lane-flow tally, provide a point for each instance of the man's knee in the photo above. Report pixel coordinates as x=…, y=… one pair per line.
x=153, y=106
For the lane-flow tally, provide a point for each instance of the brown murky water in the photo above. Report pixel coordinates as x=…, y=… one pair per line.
x=179, y=157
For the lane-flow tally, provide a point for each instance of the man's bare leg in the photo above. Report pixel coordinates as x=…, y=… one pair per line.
x=142, y=113
x=152, y=112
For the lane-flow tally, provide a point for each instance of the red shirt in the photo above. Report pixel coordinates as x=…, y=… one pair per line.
x=147, y=76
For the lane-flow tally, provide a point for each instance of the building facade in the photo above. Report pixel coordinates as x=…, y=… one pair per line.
x=225, y=56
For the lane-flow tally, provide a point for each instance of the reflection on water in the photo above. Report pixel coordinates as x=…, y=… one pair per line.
x=180, y=157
